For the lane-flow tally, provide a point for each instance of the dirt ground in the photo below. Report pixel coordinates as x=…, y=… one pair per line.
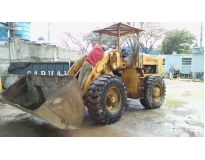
x=181, y=115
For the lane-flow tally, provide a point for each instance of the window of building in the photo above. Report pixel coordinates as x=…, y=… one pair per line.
x=198, y=50
x=163, y=63
x=186, y=61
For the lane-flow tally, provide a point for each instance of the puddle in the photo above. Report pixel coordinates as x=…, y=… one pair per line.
x=193, y=94
x=174, y=104
x=175, y=101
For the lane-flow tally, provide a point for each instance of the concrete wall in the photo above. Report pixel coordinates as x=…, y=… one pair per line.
x=17, y=50
x=4, y=58
x=64, y=54
x=26, y=51
x=22, y=51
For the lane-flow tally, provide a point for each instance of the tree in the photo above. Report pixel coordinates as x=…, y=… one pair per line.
x=179, y=41
x=78, y=42
x=86, y=40
x=151, y=34
x=64, y=42
x=130, y=40
x=105, y=39
x=158, y=49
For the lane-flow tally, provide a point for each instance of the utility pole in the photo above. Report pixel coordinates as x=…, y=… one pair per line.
x=201, y=34
x=10, y=29
x=48, y=33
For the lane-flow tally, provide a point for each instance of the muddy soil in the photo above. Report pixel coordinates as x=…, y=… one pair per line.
x=181, y=115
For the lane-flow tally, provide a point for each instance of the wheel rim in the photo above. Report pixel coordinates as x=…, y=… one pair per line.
x=113, y=100
x=156, y=92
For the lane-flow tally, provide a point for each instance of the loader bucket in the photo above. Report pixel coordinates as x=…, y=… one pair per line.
x=57, y=100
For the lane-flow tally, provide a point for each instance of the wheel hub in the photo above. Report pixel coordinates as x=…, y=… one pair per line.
x=156, y=92
x=112, y=99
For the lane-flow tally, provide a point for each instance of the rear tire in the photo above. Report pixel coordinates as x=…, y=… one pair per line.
x=154, y=92
x=106, y=99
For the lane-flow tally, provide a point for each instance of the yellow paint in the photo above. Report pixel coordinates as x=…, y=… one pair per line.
x=76, y=66
x=149, y=60
x=130, y=78
x=159, y=65
x=101, y=63
x=101, y=68
x=0, y=84
x=112, y=61
x=115, y=59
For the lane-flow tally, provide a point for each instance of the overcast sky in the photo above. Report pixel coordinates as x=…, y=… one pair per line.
x=56, y=29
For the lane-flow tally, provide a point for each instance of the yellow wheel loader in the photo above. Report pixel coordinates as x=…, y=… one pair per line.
x=60, y=101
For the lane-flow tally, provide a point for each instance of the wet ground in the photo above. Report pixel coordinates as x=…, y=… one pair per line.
x=181, y=115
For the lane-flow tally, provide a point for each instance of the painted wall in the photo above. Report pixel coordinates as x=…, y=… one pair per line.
x=196, y=67
x=197, y=63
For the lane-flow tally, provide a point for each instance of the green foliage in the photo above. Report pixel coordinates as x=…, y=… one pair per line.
x=105, y=39
x=179, y=41
x=159, y=49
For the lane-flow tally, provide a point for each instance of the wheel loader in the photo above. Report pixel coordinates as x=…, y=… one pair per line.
x=60, y=101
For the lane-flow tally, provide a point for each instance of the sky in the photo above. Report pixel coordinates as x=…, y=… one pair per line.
x=57, y=29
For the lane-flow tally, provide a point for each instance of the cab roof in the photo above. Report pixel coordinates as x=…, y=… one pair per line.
x=123, y=28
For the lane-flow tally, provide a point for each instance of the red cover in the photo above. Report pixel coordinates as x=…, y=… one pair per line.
x=95, y=54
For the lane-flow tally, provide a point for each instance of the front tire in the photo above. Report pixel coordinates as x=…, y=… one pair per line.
x=154, y=92
x=106, y=99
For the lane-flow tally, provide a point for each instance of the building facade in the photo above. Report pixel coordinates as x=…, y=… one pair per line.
x=189, y=65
